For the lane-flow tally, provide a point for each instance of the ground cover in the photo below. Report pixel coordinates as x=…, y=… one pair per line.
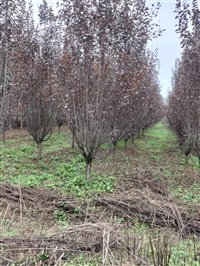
x=141, y=207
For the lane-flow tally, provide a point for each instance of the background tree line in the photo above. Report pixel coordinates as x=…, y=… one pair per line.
x=87, y=65
x=183, y=110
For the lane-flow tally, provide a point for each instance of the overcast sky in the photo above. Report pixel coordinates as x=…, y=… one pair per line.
x=168, y=44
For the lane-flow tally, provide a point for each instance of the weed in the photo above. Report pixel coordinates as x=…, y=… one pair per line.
x=185, y=252
x=60, y=216
x=190, y=194
x=80, y=187
x=43, y=256
x=53, y=172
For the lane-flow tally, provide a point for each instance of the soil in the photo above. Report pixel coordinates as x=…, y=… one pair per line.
x=15, y=133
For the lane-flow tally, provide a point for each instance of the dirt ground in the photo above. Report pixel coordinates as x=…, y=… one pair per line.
x=16, y=132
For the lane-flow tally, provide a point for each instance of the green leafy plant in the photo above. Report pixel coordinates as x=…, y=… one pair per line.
x=60, y=216
x=189, y=195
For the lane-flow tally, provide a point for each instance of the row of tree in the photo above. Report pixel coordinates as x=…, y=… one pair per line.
x=87, y=64
x=184, y=101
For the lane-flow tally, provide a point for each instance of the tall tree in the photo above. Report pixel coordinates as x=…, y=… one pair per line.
x=184, y=102
x=10, y=13
x=35, y=67
x=99, y=35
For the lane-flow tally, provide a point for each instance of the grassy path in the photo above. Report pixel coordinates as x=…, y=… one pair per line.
x=158, y=154
x=164, y=158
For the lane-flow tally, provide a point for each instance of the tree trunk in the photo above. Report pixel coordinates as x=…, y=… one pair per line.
x=39, y=146
x=21, y=120
x=73, y=140
x=143, y=132
x=88, y=168
x=198, y=155
x=4, y=136
x=59, y=129
x=125, y=143
x=187, y=152
x=186, y=159
x=132, y=137
x=114, y=149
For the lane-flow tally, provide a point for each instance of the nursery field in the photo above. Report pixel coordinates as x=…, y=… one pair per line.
x=141, y=207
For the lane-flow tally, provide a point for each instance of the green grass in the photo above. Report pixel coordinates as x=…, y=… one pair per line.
x=189, y=195
x=63, y=168
x=59, y=169
x=159, y=153
x=185, y=249
x=156, y=139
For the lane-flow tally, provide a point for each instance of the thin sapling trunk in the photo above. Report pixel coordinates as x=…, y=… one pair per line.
x=88, y=160
x=39, y=146
x=73, y=140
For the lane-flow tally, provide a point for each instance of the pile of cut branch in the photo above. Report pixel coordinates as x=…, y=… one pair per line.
x=96, y=231
x=153, y=209
x=90, y=238
x=35, y=200
x=144, y=205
